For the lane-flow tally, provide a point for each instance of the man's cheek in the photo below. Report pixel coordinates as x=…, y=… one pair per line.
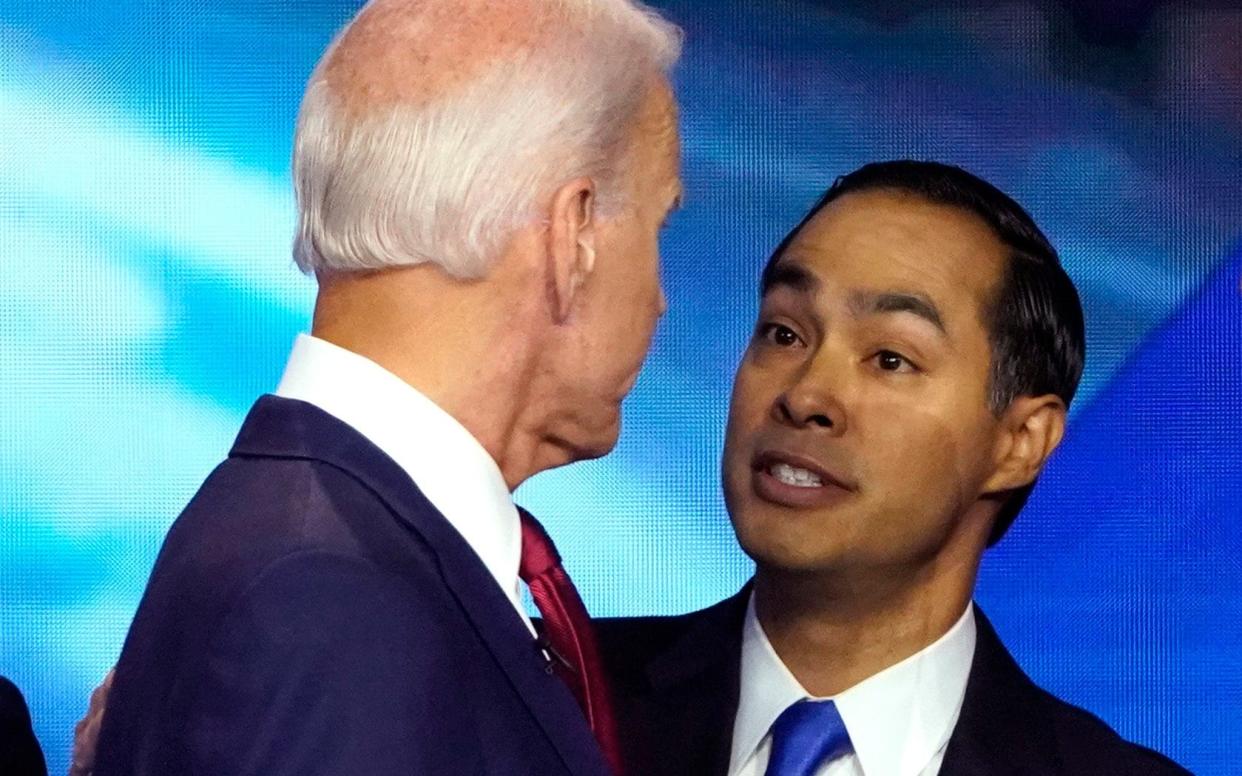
x=740, y=410
x=911, y=462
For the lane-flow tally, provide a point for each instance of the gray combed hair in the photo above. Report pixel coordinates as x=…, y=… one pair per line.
x=447, y=181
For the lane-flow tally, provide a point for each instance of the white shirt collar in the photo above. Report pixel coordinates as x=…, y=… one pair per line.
x=450, y=467
x=898, y=719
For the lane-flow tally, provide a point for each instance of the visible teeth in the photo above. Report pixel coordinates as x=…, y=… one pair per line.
x=792, y=475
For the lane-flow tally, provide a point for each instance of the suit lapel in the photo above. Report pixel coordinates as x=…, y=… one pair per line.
x=694, y=692
x=289, y=428
x=1003, y=727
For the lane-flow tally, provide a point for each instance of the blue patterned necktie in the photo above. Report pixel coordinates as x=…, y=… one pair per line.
x=805, y=736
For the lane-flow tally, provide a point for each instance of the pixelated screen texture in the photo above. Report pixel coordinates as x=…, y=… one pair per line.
x=147, y=297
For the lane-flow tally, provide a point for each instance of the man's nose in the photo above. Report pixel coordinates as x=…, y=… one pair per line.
x=814, y=401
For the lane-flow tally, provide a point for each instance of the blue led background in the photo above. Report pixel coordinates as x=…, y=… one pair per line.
x=147, y=297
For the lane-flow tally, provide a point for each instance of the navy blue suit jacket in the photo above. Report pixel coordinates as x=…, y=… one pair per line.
x=676, y=681
x=20, y=754
x=311, y=612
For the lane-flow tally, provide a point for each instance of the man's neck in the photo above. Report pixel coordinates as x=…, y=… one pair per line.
x=834, y=631
x=456, y=343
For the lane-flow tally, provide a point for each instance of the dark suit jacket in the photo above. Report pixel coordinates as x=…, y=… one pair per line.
x=20, y=754
x=311, y=612
x=677, y=678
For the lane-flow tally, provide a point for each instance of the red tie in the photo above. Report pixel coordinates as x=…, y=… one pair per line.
x=567, y=627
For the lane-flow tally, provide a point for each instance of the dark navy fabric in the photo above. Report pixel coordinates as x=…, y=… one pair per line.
x=20, y=754
x=311, y=612
x=677, y=683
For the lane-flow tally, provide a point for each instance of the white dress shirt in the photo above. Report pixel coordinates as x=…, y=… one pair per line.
x=899, y=720
x=450, y=467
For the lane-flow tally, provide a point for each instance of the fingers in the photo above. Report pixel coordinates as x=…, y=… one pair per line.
x=86, y=732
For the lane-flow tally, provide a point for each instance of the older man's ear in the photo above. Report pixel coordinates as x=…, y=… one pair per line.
x=571, y=241
x=86, y=732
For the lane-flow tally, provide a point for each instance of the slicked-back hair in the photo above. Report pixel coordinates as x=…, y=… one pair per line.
x=1034, y=321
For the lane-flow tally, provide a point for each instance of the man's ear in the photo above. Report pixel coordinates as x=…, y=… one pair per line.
x=1032, y=427
x=571, y=243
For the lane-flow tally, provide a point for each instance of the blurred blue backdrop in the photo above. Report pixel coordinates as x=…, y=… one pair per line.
x=147, y=297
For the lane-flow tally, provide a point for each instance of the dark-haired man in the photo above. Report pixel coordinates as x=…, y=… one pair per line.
x=917, y=348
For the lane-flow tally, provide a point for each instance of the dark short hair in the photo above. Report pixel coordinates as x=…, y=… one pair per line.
x=1035, y=321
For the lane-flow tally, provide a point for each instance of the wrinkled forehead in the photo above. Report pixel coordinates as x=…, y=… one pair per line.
x=654, y=144
x=657, y=126
x=413, y=51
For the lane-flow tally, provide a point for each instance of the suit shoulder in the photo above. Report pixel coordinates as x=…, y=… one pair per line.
x=1003, y=703
x=652, y=632
x=641, y=634
x=316, y=596
x=251, y=512
x=288, y=492
x=9, y=694
x=19, y=749
x=262, y=525
x=1089, y=745
x=12, y=704
x=629, y=644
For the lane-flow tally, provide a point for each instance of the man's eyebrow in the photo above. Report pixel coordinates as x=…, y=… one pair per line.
x=865, y=303
x=788, y=274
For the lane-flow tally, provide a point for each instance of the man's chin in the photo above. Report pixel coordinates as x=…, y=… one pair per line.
x=791, y=549
x=598, y=450
x=787, y=561
x=597, y=441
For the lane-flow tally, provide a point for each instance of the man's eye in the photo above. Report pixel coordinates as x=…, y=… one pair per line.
x=779, y=335
x=892, y=361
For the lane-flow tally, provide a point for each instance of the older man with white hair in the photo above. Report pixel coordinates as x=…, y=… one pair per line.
x=480, y=189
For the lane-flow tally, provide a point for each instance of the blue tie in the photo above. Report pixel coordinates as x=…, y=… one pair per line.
x=806, y=735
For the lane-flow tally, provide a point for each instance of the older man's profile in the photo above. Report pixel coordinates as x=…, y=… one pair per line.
x=480, y=189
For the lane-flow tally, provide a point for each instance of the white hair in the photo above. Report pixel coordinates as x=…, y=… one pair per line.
x=448, y=180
